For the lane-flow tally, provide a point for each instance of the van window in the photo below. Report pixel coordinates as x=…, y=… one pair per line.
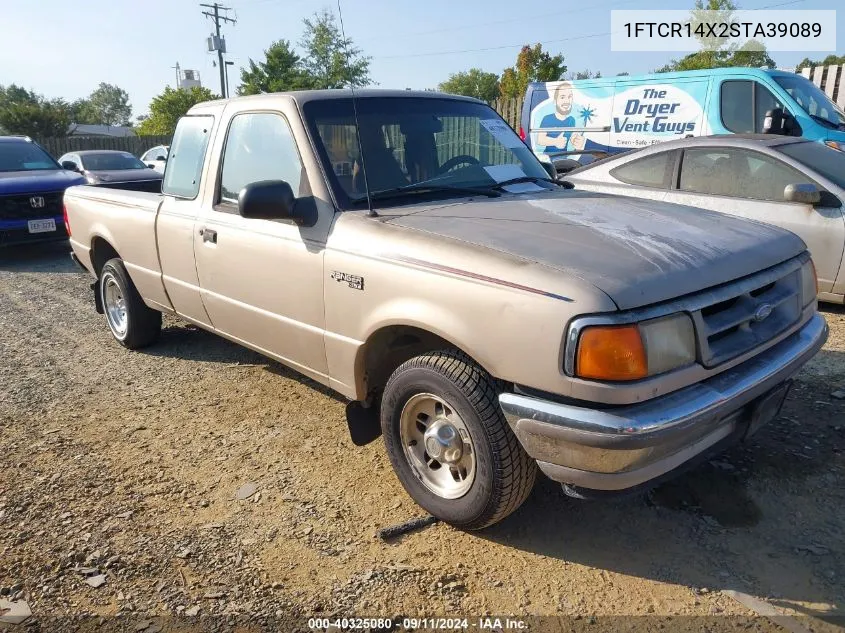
x=744, y=105
x=182, y=176
x=739, y=173
x=650, y=171
x=259, y=146
x=735, y=104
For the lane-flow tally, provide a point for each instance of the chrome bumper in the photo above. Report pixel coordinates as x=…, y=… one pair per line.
x=623, y=447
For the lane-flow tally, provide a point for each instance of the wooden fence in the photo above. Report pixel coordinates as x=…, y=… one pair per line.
x=510, y=110
x=136, y=145
x=831, y=79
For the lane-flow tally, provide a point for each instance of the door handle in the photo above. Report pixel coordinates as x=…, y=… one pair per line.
x=209, y=235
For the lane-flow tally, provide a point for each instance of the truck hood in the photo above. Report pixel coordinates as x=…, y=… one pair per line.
x=638, y=252
x=38, y=181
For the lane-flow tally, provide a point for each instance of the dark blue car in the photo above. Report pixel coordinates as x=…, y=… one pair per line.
x=32, y=185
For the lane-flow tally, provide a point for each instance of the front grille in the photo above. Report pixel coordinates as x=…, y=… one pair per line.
x=20, y=207
x=755, y=313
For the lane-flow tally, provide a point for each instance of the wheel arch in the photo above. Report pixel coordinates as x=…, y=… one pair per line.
x=102, y=251
x=390, y=345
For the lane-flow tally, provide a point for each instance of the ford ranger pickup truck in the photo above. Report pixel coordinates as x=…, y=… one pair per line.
x=407, y=250
x=31, y=187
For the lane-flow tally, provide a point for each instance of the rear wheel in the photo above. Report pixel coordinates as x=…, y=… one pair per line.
x=131, y=322
x=449, y=443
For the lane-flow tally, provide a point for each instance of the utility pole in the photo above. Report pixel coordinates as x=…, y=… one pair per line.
x=219, y=45
x=177, y=75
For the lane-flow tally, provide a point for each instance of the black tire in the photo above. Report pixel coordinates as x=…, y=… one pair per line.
x=504, y=475
x=143, y=324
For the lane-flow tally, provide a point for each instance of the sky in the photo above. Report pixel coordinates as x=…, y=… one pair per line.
x=65, y=49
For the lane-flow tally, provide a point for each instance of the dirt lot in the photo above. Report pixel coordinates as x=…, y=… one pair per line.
x=128, y=463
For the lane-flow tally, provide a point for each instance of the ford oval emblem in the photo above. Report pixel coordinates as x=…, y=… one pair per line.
x=762, y=313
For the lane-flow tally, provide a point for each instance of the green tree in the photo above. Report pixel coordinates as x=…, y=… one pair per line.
x=281, y=70
x=167, y=108
x=81, y=112
x=25, y=112
x=585, y=74
x=110, y=105
x=532, y=64
x=830, y=60
x=473, y=83
x=329, y=59
x=717, y=52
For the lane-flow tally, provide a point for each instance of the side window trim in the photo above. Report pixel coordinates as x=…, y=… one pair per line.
x=228, y=206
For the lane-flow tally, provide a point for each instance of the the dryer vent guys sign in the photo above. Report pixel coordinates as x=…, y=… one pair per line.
x=617, y=117
x=652, y=111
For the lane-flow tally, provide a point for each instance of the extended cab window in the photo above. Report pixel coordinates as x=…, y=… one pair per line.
x=651, y=171
x=259, y=146
x=744, y=105
x=738, y=173
x=182, y=176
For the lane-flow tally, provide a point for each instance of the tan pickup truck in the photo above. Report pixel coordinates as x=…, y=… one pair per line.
x=408, y=251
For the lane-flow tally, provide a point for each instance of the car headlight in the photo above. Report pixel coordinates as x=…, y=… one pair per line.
x=835, y=145
x=635, y=351
x=809, y=282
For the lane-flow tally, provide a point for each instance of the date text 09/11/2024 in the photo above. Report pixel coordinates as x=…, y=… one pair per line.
x=496, y=625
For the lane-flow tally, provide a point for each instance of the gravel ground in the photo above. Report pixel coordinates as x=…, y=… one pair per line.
x=121, y=472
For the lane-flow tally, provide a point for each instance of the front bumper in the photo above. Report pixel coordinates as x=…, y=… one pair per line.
x=624, y=447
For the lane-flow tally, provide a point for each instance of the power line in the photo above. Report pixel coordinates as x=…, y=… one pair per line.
x=219, y=44
x=544, y=42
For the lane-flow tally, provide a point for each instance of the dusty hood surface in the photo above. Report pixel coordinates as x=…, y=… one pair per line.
x=639, y=252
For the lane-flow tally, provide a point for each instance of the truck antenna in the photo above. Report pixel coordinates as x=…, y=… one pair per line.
x=371, y=212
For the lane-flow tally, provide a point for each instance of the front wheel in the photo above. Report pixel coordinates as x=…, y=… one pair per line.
x=131, y=322
x=449, y=443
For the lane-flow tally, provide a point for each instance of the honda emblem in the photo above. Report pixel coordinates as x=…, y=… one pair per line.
x=36, y=202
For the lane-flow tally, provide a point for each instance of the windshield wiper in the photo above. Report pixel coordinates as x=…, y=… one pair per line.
x=831, y=124
x=421, y=188
x=521, y=179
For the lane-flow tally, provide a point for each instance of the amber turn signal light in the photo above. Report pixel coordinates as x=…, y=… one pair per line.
x=612, y=352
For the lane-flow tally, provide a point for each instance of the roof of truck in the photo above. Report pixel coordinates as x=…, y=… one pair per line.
x=305, y=96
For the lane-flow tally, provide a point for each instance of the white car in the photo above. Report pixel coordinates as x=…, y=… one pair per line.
x=156, y=158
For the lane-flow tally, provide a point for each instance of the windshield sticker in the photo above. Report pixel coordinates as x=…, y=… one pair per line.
x=502, y=132
x=501, y=173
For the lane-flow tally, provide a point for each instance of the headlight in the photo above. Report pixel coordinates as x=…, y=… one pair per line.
x=639, y=350
x=809, y=282
x=835, y=145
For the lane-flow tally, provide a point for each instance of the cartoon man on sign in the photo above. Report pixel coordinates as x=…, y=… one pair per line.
x=558, y=140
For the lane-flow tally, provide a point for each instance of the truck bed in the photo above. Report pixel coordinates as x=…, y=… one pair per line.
x=127, y=221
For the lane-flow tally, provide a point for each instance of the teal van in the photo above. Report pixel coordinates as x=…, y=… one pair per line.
x=585, y=119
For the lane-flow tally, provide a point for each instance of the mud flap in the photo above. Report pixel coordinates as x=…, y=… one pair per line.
x=98, y=300
x=364, y=425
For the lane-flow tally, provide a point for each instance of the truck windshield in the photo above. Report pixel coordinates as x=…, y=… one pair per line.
x=813, y=101
x=429, y=145
x=108, y=161
x=24, y=156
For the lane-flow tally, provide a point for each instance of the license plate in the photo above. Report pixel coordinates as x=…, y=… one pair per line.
x=42, y=226
x=767, y=408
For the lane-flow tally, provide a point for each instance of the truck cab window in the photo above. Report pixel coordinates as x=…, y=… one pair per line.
x=764, y=101
x=187, y=156
x=259, y=146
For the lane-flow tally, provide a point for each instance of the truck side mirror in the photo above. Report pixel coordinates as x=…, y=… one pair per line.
x=550, y=170
x=70, y=165
x=805, y=193
x=268, y=200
